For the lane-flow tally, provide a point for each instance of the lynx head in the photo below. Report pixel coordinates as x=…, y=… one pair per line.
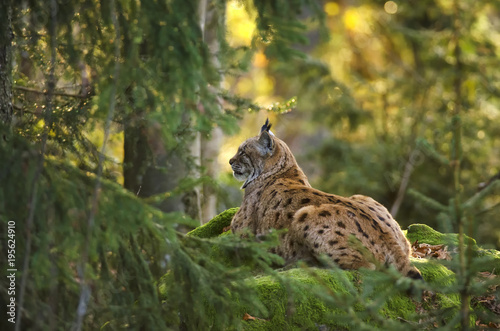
x=260, y=157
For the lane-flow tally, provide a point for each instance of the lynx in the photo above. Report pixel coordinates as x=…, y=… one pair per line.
x=278, y=196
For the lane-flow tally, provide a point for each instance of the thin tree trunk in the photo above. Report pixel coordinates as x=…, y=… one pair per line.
x=210, y=146
x=5, y=63
x=405, y=180
x=209, y=152
x=456, y=158
x=192, y=199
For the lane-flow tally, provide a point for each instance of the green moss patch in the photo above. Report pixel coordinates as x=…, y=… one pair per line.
x=425, y=234
x=295, y=300
x=434, y=273
x=309, y=298
x=215, y=226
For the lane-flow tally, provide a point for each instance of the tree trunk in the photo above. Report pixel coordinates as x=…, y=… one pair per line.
x=209, y=152
x=148, y=169
x=5, y=62
x=210, y=146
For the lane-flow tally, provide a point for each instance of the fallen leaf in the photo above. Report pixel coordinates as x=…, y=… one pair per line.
x=489, y=300
x=486, y=274
x=248, y=317
x=425, y=250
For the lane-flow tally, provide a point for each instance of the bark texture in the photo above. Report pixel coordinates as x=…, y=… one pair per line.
x=6, y=62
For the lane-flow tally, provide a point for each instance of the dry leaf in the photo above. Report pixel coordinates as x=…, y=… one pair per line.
x=248, y=317
x=486, y=274
x=425, y=250
x=489, y=301
x=490, y=325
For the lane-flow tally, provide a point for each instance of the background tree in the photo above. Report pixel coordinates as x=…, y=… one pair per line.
x=6, y=63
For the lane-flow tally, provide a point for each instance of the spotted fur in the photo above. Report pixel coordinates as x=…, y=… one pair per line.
x=278, y=195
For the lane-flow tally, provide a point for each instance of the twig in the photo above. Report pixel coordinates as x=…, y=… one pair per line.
x=488, y=209
x=85, y=288
x=408, y=322
x=405, y=180
x=484, y=185
x=487, y=190
x=46, y=92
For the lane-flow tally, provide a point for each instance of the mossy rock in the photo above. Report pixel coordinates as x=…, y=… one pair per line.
x=425, y=234
x=215, y=226
x=298, y=301
x=300, y=298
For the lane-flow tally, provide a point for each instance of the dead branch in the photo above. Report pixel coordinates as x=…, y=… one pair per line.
x=62, y=94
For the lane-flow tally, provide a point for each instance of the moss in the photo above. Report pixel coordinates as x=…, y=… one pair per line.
x=295, y=302
x=425, y=234
x=399, y=306
x=434, y=273
x=491, y=260
x=215, y=226
x=306, y=298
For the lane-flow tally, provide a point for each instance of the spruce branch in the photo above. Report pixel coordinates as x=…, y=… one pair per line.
x=427, y=148
x=479, y=196
x=41, y=160
x=429, y=202
x=85, y=288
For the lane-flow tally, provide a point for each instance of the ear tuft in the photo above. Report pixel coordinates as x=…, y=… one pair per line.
x=266, y=126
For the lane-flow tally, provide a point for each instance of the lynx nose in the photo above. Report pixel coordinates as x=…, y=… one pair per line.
x=231, y=161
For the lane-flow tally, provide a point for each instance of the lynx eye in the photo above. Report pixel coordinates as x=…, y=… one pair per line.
x=241, y=153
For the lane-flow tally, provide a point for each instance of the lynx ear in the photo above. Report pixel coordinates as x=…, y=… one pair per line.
x=266, y=144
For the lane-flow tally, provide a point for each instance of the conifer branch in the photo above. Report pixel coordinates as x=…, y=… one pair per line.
x=85, y=288
x=429, y=202
x=41, y=160
x=479, y=196
x=431, y=151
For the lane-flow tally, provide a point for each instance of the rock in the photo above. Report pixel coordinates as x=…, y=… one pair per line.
x=424, y=233
x=215, y=226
